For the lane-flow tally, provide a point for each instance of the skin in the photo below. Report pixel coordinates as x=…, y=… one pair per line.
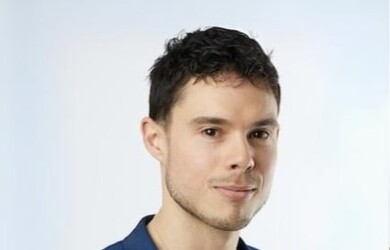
x=217, y=157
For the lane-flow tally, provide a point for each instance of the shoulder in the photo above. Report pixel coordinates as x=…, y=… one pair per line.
x=139, y=238
x=243, y=246
x=115, y=246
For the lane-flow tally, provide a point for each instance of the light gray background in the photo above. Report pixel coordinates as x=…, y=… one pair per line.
x=75, y=175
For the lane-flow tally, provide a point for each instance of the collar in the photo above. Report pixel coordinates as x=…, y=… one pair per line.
x=140, y=238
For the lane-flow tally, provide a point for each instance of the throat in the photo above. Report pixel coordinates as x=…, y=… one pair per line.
x=185, y=232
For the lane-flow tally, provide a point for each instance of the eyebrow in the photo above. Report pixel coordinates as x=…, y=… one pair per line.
x=210, y=120
x=266, y=122
x=221, y=121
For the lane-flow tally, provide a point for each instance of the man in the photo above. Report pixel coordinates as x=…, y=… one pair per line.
x=212, y=125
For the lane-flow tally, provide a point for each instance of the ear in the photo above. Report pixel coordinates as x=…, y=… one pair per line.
x=154, y=138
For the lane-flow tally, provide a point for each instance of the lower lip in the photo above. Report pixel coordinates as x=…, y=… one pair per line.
x=235, y=195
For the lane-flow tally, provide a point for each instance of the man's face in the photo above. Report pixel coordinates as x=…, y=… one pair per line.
x=221, y=151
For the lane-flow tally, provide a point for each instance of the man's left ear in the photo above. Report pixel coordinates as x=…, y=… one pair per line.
x=154, y=138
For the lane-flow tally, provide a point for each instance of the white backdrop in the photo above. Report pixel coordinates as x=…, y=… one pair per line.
x=75, y=175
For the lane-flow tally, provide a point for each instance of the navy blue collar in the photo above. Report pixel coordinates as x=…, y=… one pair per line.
x=139, y=239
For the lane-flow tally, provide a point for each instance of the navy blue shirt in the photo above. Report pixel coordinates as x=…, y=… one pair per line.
x=139, y=239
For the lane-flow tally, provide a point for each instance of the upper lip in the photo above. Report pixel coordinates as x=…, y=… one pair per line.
x=237, y=188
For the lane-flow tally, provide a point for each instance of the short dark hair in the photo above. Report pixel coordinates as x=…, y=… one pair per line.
x=205, y=53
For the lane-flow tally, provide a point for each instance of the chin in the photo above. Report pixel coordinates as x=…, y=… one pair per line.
x=228, y=225
x=235, y=221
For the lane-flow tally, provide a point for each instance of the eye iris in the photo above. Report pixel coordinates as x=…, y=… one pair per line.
x=259, y=134
x=210, y=132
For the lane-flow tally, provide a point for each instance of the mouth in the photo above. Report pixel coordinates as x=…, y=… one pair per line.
x=236, y=193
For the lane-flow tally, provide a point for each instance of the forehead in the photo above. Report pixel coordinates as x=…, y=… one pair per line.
x=227, y=96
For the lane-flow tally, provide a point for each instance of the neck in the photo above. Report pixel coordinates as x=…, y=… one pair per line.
x=173, y=228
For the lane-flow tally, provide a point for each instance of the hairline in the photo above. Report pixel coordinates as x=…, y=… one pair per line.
x=261, y=83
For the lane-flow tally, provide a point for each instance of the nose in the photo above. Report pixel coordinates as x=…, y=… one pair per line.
x=241, y=155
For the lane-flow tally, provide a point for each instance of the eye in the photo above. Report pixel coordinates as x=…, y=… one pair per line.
x=211, y=132
x=259, y=134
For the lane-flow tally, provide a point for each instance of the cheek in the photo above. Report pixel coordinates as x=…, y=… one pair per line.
x=266, y=160
x=189, y=160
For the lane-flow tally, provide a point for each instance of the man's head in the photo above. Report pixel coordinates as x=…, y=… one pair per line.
x=213, y=126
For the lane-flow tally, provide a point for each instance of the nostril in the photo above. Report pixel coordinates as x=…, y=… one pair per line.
x=234, y=166
x=251, y=164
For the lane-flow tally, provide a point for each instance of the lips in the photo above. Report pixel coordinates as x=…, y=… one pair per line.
x=234, y=192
